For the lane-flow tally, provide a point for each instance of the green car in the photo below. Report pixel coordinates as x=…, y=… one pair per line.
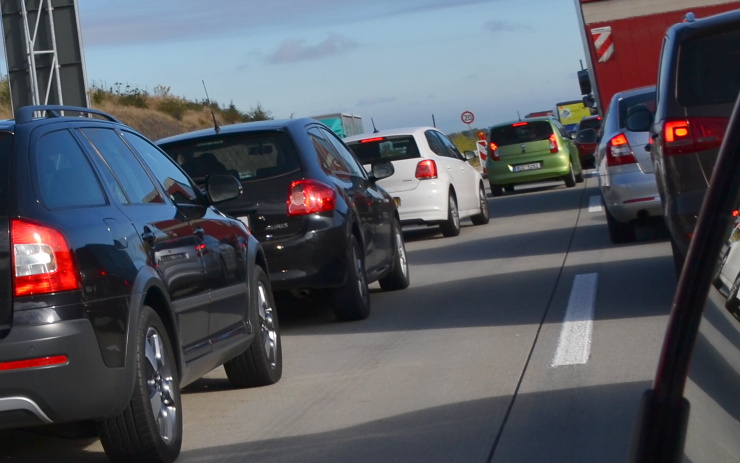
x=531, y=150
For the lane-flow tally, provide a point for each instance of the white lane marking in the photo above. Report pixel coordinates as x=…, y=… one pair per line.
x=594, y=204
x=574, y=346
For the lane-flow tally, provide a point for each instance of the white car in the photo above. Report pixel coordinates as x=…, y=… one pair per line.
x=433, y=183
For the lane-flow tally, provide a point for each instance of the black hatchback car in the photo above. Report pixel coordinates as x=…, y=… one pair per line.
x=120, y=283
x=323, y=221
x=698, y=82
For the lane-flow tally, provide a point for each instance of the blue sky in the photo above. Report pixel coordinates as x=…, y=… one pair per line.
x=400, y=62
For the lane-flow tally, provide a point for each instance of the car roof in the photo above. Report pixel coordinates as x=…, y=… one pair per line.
x=526, y=119
x=257, y=126
x=635, y=91
x=391, y=132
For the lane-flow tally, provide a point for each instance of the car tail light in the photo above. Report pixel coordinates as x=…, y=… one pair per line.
x=42, y=260
x=554, y=144
x=371, y=140
x=684, y=136
x=493, y=152
x=619, y=152
x=426, y=169
x=310, y=197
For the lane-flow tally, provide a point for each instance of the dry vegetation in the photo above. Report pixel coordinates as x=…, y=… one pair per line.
x=156, y=115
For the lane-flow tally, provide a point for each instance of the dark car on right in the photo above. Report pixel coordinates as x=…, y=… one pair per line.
x=698, y=82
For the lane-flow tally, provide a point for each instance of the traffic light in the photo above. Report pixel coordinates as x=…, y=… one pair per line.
x=584, y=82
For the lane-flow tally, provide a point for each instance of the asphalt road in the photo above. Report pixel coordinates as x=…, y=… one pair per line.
x=529, y=339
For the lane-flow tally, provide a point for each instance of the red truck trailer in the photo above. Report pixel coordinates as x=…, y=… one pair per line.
x=622, y=40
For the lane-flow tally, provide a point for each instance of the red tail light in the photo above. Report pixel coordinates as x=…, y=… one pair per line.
x=619, y=152
x=426, y=169
x=493, y=152
x=42, y=260
x=554, y=144
x=684, y=136
x=310, y=197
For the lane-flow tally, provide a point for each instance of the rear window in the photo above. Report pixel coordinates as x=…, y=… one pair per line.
x=631, y=103
x=709, y=69
x=521, y=132
x=246, y=156
x=385, y=148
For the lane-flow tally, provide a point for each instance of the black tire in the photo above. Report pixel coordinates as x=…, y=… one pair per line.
x=352, y=301
x=509, y=188
x=570, y=178
x=496, y=190
x=485, y=214
x=399, y=277
x=262, y=363
x=619, y=232
x=148, y=430
x=451, y=226
x=732, y=304
x=579, y=177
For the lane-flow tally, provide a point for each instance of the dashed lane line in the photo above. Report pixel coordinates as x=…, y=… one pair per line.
x=574, y=345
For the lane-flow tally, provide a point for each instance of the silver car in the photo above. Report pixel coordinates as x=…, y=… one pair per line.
x=624, y=167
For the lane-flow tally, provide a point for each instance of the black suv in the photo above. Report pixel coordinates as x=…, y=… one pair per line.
x=323, y=221
x=698, y=82
x=121, y=283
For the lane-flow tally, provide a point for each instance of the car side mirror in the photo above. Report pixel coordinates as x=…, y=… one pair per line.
x=380, y=170
x=469, y=155
x=639, y=120
x=586, y=136
x=222, y=187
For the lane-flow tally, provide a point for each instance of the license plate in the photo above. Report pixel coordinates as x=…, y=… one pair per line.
x=523, y=167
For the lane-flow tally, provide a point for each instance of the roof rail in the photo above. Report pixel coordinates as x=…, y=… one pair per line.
x=27, y=114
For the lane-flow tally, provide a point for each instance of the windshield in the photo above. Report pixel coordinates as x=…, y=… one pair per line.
x=246, y=155
x=521, y=132
x=387, y=149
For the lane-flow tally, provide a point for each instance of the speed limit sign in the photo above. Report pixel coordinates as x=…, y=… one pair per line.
x=467, y=117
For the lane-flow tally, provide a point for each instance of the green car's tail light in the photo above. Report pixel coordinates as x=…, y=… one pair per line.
x=493, y=152
x=619, y=151
x=42, y=260
x=310, y=197
x=426, y=169
x=554, y=143
x=686, y=136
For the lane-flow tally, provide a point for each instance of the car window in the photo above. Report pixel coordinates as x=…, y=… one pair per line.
x=450, y=148
x=709, y=69
x=64, y=174
x=521, y=132
x=329, y=159
x=175, y=183
x=354, y=166
x=246, y=155
x=631, y=103
x=435, y=144
x=133, y=178
x=395, y=148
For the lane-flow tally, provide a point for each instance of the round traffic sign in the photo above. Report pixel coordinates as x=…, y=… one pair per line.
x=467, y=117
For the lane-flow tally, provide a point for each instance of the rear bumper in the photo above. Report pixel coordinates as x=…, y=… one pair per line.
x=81, y=389
x=553, y=166
x=631, y=196
x=314, y=260
x=427, y=203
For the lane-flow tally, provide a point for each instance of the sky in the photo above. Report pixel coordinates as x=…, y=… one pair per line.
x=398, y=62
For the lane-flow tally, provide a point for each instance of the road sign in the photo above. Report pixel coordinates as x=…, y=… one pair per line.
x=467, y=117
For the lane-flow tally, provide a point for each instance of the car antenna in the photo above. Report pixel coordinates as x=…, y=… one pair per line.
x=375, y=129
x=213, y=114
x=519, y=116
